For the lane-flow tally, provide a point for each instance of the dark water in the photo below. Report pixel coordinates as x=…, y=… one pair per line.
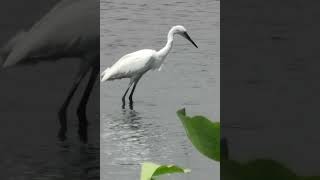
x=271, y=83
x=190, y=78
x=30, y=99
x=29, y=145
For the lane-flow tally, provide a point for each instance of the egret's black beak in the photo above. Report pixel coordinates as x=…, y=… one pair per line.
x=186, y=35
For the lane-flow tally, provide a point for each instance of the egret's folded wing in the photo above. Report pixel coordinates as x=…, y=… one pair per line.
x=131, y=64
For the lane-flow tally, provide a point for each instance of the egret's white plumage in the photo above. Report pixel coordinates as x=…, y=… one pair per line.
x=135, y=64
x=130, y=65
x=71, y=28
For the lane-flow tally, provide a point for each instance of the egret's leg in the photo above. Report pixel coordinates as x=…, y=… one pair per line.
x=124, y=95
x=63, y=110
x=83, y=123
x=134, y=87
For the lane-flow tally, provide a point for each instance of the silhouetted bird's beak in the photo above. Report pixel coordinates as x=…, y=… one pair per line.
x=186, y=35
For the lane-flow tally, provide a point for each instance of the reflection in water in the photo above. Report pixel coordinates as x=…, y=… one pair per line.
x=130, y=137
x=38, y=155
x=85, y=159
x=127, y=133
x=131, y=116
x=124, y=141
x=124, y=104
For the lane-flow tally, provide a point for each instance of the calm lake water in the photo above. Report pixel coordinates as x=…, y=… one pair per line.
x=190, y=78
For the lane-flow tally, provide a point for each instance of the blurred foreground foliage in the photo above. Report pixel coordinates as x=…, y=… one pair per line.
x=151, y=171
x=205, y=137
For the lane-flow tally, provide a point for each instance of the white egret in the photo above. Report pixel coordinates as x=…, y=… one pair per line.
x=69, y=29
x=136, y=64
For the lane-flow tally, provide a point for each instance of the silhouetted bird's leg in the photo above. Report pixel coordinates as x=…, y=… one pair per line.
x=83, y=122
x=63, y=110
x=124, y=95
x=134, y=87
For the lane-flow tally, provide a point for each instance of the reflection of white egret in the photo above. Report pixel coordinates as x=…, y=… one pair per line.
x=135, y=64
x=70, y=29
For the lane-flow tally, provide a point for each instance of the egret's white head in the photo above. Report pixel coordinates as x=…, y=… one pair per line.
x=183, y=32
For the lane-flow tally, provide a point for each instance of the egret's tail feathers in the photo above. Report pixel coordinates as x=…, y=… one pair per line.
x=11, y=52
x=105, y=75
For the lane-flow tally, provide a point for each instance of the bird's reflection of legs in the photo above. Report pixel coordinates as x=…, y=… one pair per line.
x=130, y=116
x=83, y=122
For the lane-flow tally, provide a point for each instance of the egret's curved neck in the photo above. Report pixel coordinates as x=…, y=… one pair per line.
x=162, y=53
